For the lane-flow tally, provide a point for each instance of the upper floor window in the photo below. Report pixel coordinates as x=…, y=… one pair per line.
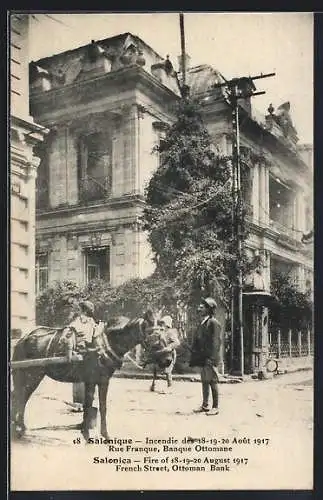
x=41, y=272
x=97, y=264
x=246, y=187
x=95, y=166
x=282, y=201
x=160, y=129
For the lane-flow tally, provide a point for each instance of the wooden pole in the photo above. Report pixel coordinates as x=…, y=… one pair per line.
x=299, y=342
x=28, y=363
x=290, y=343
x=308, y=342
x=278, y=343
x=183, y=51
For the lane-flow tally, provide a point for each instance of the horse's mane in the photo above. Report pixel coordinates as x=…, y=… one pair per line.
x=116, y=322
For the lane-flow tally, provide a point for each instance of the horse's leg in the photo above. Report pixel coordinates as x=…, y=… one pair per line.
x=103, y=392
x=88, y=410
x=25, y=382
x=169, y=378
x=153, y=385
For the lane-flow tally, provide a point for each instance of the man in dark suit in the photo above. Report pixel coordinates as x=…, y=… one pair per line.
x=206, y=353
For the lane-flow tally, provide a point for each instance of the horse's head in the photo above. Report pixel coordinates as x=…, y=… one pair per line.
x=118, y=335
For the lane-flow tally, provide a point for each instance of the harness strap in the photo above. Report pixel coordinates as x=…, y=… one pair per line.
x=127, y=355
x=109, y=349
x=56, y=331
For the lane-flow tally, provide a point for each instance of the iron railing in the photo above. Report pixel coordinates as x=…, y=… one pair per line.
x=290, y=344
x=94, y=188
x=285, y=230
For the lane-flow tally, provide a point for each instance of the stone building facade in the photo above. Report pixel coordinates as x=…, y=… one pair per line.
x=107, y=105
x=25, y=134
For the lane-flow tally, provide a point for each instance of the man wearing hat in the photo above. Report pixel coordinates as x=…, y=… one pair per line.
x=84, y=326
x=205, y=353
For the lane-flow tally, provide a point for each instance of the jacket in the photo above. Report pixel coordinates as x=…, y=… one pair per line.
x=84, y=327
x=206, y=345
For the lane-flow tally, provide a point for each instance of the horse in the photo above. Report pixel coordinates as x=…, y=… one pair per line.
x=114, y=340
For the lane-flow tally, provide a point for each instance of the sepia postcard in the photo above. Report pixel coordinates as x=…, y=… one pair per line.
x=161, y=185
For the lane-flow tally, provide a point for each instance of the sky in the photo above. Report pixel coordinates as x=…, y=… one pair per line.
x=237, y=44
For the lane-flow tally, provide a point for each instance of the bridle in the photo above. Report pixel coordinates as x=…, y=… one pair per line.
x=109, y=353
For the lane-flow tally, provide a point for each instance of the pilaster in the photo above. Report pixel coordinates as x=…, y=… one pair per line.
x=58, y=169
x=255, y=201
x=263, y=193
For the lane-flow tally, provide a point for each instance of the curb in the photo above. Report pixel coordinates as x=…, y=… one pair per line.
x=181, y=378
x=229, y=379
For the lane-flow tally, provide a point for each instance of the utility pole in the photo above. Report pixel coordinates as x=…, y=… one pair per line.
x=238, y=88
x=184, y=87
x=183, y=51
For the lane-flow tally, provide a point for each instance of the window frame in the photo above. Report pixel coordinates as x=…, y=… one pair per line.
x=39, y=269
x=103, y=274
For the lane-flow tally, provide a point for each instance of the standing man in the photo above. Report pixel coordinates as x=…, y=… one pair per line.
x=84, y=326
x=205, y=353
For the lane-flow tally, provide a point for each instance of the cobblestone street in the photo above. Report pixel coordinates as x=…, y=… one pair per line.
x=277, y=411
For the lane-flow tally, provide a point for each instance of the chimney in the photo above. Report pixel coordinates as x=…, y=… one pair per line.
x=187, y=63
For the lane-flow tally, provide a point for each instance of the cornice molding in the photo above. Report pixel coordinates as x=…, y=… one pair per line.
x=88, y=91
x=73, y=231
x=112, y=203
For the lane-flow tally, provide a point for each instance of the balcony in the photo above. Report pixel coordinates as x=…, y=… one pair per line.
x=286, y=236
x=92, y=189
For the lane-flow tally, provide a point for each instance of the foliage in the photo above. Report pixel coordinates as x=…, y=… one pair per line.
x=189, y=210
x=295, y=308
x=132, y=297
x=56, y=304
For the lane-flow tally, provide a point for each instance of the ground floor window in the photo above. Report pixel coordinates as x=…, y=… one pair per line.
x=97, y=264
x=41, y=272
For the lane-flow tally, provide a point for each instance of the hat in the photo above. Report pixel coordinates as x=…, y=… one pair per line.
x=87, y=307
x=167, y=320
x=209, y=303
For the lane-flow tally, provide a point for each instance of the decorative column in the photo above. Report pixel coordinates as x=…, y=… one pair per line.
x=263, y=193
x=300, y=222
x=57, y=170
x=141, y=110
x=255, y=193
x=130, y=127
x=31, y=183
x=72, y=184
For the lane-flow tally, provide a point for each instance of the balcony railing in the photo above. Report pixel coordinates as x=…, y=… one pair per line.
x=94, y=188
x=285, y=230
